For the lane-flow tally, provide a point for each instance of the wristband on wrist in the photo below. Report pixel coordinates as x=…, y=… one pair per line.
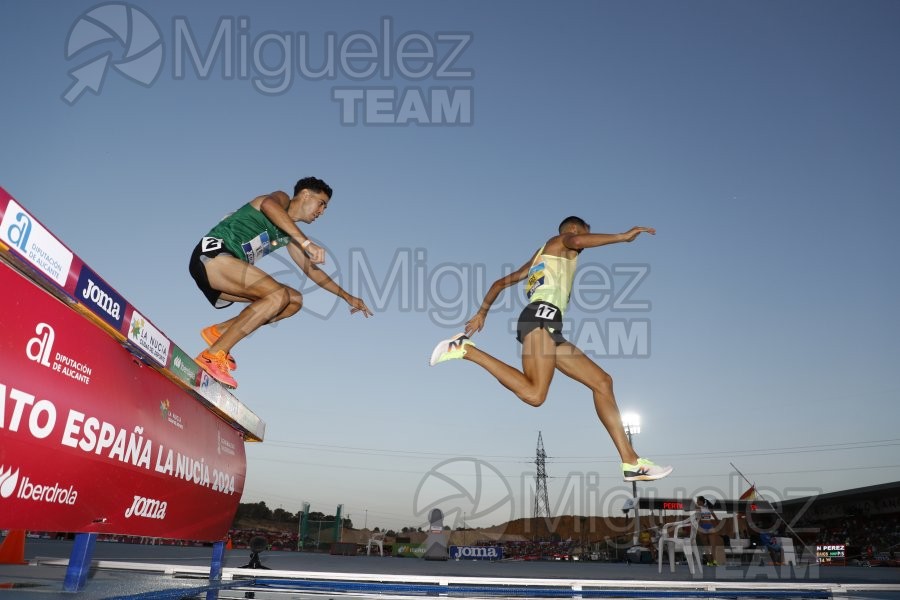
x=306, y=243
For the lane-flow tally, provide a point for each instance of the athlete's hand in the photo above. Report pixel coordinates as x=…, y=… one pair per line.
x=357, y=305
x=635, y=231
x=475, y=324
x=315, y=253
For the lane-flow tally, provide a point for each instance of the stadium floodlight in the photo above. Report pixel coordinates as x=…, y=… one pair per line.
x=632, y=424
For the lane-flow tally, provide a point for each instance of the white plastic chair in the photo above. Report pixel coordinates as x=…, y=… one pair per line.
x=736, y=550
x=377, y=539
x=687, y=544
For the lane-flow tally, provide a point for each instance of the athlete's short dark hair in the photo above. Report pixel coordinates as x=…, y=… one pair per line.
x=313, y=184
x=573, y=220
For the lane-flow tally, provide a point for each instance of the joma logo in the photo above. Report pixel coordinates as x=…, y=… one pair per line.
x=102, y=300
x=148, y=508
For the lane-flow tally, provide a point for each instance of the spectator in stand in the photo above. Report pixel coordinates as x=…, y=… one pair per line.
x=769, y=539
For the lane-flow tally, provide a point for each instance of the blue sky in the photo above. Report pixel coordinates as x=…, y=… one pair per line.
x=760, y=139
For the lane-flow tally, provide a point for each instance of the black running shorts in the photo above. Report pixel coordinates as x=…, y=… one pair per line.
x=207, y=249
x=540, y=315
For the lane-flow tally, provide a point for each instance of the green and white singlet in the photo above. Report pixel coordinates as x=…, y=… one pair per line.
x=249, y=234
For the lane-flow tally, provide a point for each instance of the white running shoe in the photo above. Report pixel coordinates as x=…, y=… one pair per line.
x=455, y=347
x=644, y=470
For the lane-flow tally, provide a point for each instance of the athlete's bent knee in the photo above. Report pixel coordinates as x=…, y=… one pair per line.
x=534, y=397
x=602, y=383
x=605, y=380
x=292, y=303
x=278, y=300
x=295, y=299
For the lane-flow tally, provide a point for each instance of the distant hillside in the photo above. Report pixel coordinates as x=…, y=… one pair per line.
x=264, y=524
x=587, y=529
x=566, y=527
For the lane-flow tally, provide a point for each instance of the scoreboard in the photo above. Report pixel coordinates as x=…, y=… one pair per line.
x=831, y=554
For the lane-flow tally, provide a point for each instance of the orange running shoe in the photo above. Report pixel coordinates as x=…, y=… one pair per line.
x=210, y=335
x=217, y=367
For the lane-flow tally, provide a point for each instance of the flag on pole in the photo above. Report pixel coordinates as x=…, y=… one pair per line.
x=750, y=494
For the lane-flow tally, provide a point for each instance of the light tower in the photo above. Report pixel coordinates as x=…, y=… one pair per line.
x=632, y=424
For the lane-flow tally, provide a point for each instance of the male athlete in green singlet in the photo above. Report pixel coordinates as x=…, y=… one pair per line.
x=223, y=265
x=549, y=274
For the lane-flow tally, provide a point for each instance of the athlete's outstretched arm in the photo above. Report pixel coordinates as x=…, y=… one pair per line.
x=321, y=279
x=476, y=323
x=580, y=241
x=273, y=206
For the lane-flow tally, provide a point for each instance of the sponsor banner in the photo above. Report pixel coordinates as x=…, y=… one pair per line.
x=409, y=550
x=24, y=234
x=92, y=440
x=92, y=292
x=66, y=359
x=97, y=298
x=149, y=339
x=184, y=367
x=476, y=552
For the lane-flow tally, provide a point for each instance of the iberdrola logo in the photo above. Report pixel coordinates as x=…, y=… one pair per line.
x=137, y=43
x=8, y=481
x=164, y=408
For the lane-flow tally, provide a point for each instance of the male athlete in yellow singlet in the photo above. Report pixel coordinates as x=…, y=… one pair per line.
x=549, y=275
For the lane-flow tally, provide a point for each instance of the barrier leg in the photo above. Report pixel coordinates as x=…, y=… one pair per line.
x=215, y=569
x=80, y=562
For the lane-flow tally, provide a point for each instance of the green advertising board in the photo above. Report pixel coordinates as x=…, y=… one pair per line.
x=183, y=366
x=409, y=550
